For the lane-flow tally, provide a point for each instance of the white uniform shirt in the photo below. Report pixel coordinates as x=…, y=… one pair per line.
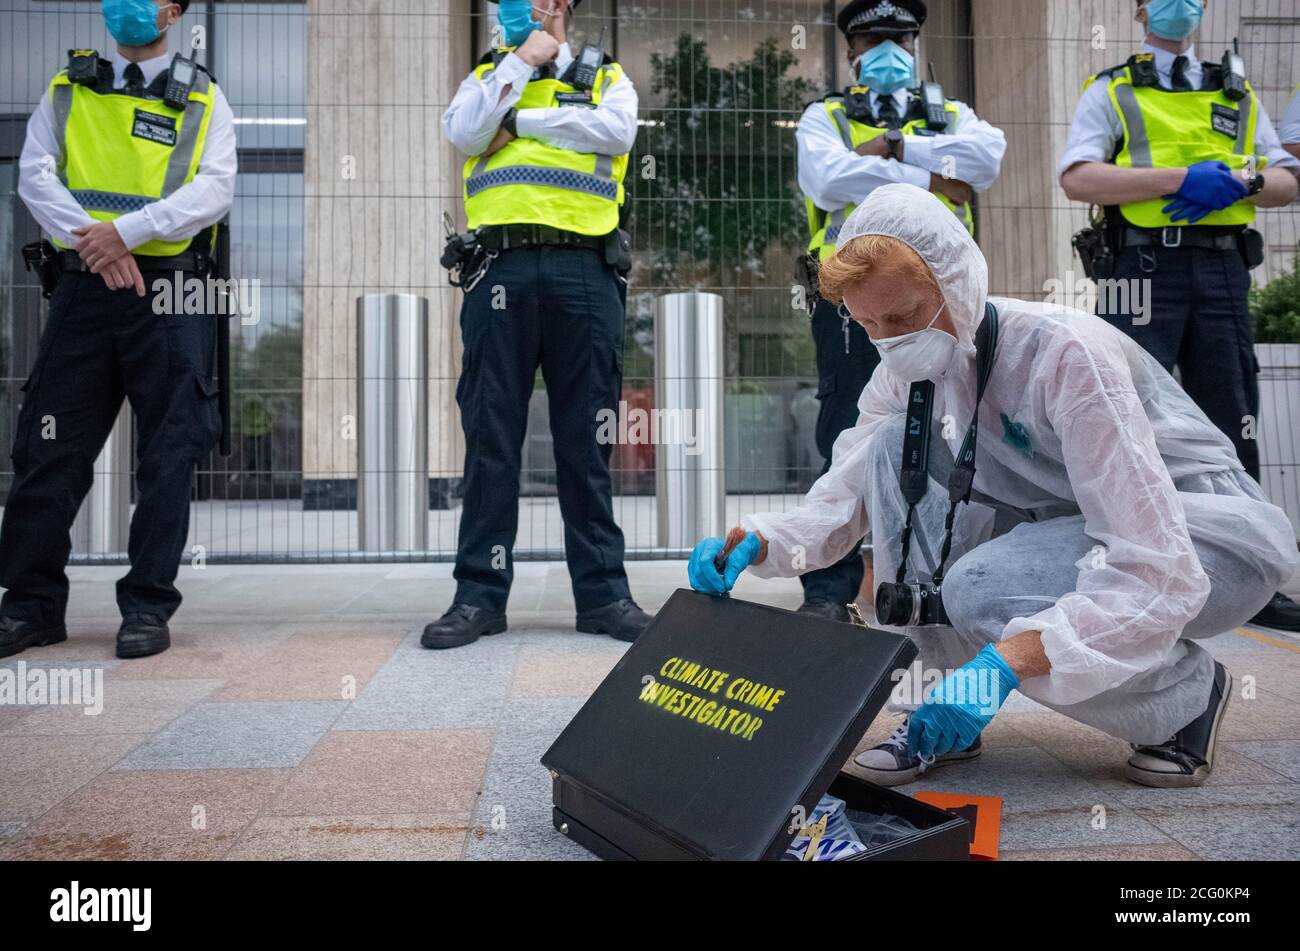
x=834, y=176
x=476, y=111
x=1097, y=130
x=1290, y=131
x=181, y=215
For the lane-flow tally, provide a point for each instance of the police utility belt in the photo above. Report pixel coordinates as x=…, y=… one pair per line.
x=49, y=263
x=1099, y=244
x=468, y=256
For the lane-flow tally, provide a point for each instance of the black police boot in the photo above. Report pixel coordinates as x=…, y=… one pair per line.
x=141, y=635
x=824, y=607
x=16, y=635
x=462, y=624
x=1281, y=613
x=1187, y=757
x=621, y=620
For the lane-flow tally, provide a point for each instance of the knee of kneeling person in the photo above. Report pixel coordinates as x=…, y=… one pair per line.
x=969, y=598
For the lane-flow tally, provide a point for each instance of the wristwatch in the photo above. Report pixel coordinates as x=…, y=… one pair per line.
x=894, y=140
x=1255, y=185
x=508, y=122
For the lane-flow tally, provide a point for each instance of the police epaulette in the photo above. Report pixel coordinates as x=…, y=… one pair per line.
x=833, y=94
x=1110, y=71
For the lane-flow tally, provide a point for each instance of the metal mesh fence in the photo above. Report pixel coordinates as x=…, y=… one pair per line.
x=345, y=174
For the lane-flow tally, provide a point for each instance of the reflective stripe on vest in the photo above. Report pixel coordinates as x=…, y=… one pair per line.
x=123, y=171
x=1174, y=129
x=92, y=200
x=529, y=182
x=825, y=226
x=600, y=182
x=834, y=222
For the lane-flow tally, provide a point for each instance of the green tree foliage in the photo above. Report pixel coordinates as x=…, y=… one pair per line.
x=723, y=184
x=268, y=381
x=1275, y=307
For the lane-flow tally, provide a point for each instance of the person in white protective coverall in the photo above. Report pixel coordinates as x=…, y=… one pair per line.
x=1111, y=523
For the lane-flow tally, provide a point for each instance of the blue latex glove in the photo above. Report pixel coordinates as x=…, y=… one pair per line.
x=961, y=706
x=703, y=574
x=1208, y=187
x=1188, y=211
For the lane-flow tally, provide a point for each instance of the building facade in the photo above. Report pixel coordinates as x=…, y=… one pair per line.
x=345, y=177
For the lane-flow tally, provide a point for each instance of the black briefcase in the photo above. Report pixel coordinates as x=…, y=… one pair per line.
x=722, y=726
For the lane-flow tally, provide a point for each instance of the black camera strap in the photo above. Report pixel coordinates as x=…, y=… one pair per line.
x=913, y=475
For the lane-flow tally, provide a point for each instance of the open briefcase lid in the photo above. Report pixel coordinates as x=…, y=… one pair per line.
x=724, y=716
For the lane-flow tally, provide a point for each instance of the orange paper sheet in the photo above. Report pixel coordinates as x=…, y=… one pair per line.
x=983, y=813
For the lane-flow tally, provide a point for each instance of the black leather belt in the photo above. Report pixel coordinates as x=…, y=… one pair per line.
x=507, y=237
x=1214, y=239
x=185, y=261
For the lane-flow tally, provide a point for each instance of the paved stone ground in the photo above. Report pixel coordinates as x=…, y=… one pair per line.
x=296, y=716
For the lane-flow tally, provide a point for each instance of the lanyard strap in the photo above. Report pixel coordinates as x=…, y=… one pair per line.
x=913, y=476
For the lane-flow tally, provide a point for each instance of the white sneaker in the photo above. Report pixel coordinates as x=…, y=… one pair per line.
x=893, y=764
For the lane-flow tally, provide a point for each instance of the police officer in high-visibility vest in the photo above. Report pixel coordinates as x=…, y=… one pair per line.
x=886, y=126
x=1179, y=153
x=548, y=135
x=128, y=165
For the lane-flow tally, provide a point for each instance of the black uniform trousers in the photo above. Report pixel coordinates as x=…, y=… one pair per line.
x=1199, y=322
x=99, y=345
x=844, y=365
x=561, y=309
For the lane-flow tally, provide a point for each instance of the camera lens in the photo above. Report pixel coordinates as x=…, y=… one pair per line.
x=896, y=604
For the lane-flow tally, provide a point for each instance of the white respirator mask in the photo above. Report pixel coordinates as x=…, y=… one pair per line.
x=920, y=355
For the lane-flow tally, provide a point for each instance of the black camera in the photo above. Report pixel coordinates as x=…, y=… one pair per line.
x=910, y=604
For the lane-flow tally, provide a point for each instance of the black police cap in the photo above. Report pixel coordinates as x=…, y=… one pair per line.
x=881, y=16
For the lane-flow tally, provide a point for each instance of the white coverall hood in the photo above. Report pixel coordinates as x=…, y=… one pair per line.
x=924, y=224
x=1077, y=420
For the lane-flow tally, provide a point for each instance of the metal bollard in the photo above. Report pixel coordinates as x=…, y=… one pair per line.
x=690, y=486
x=392, y=422
x=103, y=523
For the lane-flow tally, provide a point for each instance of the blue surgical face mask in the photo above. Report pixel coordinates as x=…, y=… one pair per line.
x=516, y=18
x=885, y=68
x=132, y=22
x=1174, y=19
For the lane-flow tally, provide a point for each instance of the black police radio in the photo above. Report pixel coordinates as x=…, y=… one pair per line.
x=582, y=74
x=180, y=80
x=936, y=107
x=1234, y=74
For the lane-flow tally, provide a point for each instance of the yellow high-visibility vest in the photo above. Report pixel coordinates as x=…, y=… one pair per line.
x=119, y=153
x=1166, y=128
x=529, y=182
x=824, y=226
